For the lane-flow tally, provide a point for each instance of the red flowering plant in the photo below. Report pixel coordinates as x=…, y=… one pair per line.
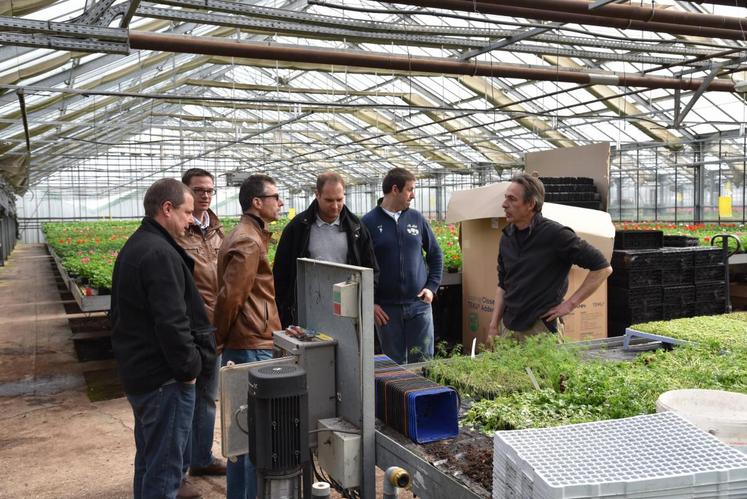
x=447, y=236
x=88, y=250
x=69, y=238
x=91, y=269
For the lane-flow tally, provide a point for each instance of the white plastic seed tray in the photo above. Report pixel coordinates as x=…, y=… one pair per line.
x=658, y=455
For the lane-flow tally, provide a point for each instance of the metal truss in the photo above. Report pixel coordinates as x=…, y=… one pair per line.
x=63, y=36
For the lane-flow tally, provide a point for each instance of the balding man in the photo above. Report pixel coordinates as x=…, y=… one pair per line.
x=161, y=337
x=327, y=231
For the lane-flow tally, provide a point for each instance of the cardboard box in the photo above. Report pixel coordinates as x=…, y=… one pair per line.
x=591, y=161
x=482, y=219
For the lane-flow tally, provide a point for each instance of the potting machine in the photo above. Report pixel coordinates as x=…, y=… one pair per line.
x=320, y=398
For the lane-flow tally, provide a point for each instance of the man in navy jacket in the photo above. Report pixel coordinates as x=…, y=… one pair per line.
x=406, y=286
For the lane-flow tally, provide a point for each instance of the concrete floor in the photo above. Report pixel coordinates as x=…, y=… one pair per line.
x=55, y=442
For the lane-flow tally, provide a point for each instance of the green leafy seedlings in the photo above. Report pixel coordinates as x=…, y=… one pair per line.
x=503, y=370
x=725, y=331
x=574, y=389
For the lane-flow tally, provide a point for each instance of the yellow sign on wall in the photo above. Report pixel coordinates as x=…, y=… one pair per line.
x=724, y=206
x=291, y=213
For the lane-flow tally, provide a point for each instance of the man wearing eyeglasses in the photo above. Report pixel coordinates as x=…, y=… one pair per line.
x=245, y=311
x=202, y=241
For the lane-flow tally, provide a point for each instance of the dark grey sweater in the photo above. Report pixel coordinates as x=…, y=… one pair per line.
x=533, y=268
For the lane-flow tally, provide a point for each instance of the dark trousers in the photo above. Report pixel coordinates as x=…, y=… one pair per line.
x=199, y=452
x=163, y=423
x=408, y=336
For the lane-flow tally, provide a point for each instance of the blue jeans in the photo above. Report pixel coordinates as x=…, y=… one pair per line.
x=408, y=336
x=241, y=476
x=163, y=423
x=199, y=452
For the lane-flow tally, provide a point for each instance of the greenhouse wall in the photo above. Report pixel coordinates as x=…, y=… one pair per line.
x=8, y=222
x=648, y=182
x=679, y=184
x=47, y=202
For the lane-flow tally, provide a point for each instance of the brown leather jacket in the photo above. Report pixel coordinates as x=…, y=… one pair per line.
x=203, y=248
x=245, y=312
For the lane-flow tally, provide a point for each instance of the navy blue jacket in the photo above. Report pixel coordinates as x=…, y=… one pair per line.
x=399, y=252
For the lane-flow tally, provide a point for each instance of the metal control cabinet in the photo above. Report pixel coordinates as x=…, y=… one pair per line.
x=354, y=366
x=317, y=357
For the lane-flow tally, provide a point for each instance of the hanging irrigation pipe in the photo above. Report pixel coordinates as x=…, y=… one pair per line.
x=409, y=65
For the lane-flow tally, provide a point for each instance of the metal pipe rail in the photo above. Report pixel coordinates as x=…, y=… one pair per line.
x=509, y=8
x=277, y=52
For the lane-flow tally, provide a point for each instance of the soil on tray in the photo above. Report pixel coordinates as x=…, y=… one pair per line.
x=472, y=458
x=71, y=308
x=90, y=325
x=94, y=349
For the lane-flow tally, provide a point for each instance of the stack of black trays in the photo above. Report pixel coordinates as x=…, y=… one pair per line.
x=653, y=283
x=677, y=266
x=638, y=239
x=710, y=280
x=675, y=241
x=678, y=287
x=572, y=191
x=634, y=292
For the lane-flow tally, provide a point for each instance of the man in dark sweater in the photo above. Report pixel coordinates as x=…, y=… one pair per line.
x=161, y=337
x=406, y=287
x=327, y=231
x=534, y=259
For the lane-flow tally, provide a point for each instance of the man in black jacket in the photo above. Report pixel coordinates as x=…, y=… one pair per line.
x=534, y=258
x=161, y=337
x=328, y=231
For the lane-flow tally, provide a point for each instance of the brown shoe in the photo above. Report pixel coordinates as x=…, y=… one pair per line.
x=216, y=468
x=188, y=491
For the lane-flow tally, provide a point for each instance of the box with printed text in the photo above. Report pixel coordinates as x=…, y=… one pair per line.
x=482, y=220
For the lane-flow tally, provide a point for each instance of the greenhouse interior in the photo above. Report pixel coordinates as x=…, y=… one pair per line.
x=357, y=248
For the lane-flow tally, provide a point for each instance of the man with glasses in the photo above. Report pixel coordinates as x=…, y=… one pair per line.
x=245, y=311
x=201, y=241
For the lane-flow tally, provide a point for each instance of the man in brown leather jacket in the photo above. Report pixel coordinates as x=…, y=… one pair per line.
x=201, y=241
x=245, y=311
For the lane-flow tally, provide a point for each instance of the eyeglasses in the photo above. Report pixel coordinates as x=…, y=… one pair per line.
x=276, y=196
x=200, y=191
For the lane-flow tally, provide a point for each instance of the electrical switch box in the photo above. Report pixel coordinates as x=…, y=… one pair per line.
x=317, y=356
x=339, y=453
x=345, y=299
